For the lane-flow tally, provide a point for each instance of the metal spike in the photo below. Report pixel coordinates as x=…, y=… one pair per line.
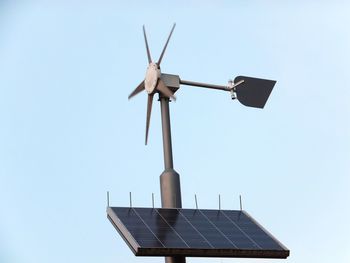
x=240, y=203
x=130, y=199
x=147, y=48
x=138, y=89
x=107, y=198
x=166, y=44
x=195, y=198
x=149, y=109
x=165, y=90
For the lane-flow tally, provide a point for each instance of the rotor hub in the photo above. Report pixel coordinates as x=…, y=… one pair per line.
x=151, y=79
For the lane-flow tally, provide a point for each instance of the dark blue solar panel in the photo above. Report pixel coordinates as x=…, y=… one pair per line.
x=190, y=236
x=253, y=230
x=142, y=234
x=206, y=229
x=194, y=232
x=230, y=229
x=161, y=229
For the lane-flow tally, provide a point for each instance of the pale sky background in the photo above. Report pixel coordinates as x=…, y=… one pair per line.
x=68, y=132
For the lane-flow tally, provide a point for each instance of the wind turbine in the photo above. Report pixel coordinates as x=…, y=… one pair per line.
x=252, y=92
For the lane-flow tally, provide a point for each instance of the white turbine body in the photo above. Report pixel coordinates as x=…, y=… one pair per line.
x=152, y=76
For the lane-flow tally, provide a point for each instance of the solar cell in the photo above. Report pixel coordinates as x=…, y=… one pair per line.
x=194, y=232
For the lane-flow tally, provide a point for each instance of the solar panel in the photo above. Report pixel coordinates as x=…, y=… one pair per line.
x=194, y=233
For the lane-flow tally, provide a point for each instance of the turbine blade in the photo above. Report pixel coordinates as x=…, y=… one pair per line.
x=165, y=90
x=147, y=48
x=149, y=109
x=138, y=89
x=166, y=44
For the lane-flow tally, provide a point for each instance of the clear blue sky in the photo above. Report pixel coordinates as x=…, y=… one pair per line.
x=68, y=133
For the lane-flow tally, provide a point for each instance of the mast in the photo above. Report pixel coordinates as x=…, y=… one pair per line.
x=169, y=179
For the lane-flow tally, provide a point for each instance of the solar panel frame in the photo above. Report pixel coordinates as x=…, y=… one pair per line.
x=133, y=227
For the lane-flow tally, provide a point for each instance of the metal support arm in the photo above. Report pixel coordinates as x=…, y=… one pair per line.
x=204, y=85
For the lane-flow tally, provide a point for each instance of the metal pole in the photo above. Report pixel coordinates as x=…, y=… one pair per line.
x=169, y=179
x=167, y=147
